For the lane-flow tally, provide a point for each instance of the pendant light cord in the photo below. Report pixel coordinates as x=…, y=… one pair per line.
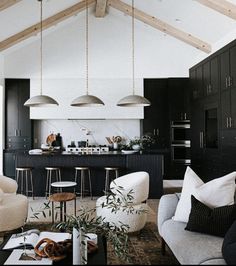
x=133, y=69
x=87, y=40
x=41, y=47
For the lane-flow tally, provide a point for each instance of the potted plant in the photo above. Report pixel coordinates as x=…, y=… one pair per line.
x=87, y=222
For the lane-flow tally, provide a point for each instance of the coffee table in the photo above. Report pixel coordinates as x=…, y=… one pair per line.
x=97, y=258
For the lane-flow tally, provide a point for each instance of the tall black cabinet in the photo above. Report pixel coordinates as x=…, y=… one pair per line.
x=169, y=104
x=214, y=114
x=18, y=126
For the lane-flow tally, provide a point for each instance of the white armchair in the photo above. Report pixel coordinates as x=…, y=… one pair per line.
x=139, y=183
x=13, y=207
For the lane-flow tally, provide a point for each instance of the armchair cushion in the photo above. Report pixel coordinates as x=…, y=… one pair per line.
x=8, y=185
x=1, y=195
x=138, y=182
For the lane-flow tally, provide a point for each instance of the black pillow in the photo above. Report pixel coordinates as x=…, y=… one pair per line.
x=215, y=221
x=229, y=245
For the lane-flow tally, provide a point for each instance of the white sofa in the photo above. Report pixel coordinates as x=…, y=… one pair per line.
x=13, y=207
x=190, y=248
x=139, y=183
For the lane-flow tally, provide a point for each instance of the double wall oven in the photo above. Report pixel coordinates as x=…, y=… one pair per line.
x=180, y=142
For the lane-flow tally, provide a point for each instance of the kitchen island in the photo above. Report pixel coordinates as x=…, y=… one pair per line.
x=66, y=161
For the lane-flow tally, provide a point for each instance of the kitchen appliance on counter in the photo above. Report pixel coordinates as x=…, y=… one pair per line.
x=88, y=149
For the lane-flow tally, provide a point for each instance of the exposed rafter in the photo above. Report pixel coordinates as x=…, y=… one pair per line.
x=47, y=23
x=160, y=25
x=222, y=6
x=101, y=8
x=7, y=3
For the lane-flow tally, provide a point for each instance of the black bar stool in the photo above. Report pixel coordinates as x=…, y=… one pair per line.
x=22, y=175
x=109, y=170
x=52, y=172
x=80, y=173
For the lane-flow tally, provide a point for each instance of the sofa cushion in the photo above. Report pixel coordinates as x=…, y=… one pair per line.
x=215, y=193
x=229, y=245
x=191, y=248
x=216, y=221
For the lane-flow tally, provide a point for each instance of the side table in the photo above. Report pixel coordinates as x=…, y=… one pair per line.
x=62, y=198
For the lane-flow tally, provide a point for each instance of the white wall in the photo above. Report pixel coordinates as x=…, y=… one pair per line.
x=75, y=130
x=157, y=55
x=1, y=110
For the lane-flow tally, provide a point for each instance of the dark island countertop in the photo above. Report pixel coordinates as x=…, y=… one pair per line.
x=153, y=163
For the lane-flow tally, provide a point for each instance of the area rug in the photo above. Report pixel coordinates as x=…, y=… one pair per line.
x=144, y=247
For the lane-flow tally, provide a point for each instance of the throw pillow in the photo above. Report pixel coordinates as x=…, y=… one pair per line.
x=215, y=221
x=1, y=195
x=229, y=245
x=215, y=193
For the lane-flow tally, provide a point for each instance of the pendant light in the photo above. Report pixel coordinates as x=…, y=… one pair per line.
x=41, y=100
x=87, y=100
x=133, y=100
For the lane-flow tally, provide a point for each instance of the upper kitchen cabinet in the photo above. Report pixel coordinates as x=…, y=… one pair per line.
x=178, y=94
x=211, y=76
x=18, y=125
x=156, y=116
x=228, y=88
x=228, y=68
x=64, y=91
x=196, y=82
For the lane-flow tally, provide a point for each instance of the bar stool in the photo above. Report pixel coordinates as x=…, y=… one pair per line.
x=52, y=172
x=109, y=170
x=22, y=174
x=80, y=173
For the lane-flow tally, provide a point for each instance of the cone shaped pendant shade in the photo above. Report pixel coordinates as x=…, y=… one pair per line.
x=87, y=100
x=41, y=100
x=133, y=100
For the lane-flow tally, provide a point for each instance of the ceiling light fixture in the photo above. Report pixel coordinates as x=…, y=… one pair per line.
x=133, y=100
x=41, y=100
x=87, y=100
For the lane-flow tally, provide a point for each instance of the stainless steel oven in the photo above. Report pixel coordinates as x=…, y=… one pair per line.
x=181, y=142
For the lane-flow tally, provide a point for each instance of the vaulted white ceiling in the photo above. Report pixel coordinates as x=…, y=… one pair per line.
x=189, y=16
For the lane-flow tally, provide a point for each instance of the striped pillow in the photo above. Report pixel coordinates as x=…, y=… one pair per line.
x=210, y=221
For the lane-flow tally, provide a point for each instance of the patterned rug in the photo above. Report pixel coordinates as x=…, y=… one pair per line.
x=144, y=247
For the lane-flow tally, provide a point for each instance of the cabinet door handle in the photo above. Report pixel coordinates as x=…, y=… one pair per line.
x=209, y=88
x=15, y=132
x=226, y=82
x=201, y=139
x=229, y=81
x=154, y=132
x=157, y=132
x=230, y=122
x=227, y=122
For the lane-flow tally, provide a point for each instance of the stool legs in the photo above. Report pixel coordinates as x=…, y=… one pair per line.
x=49, y=177
x=107, y=179
x=22, y=179
x=82, y=181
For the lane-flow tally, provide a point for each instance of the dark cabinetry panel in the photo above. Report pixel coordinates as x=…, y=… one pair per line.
x=170, y=102
x=214, y=115
x=156, y=116
x=18, y=124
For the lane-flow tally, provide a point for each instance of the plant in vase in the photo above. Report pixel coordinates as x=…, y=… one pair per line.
x=87, y=222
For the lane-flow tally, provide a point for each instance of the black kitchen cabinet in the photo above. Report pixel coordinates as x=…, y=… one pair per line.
x=169, y=103
x=228, y=68
x=9, y=163
x=211, y=76
x=178, y=94
x=156, y=116
x=196, y=81
x=18, y=124
x=213, y=117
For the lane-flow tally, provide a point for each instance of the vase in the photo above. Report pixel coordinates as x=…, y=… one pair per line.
x=136, y=147
x=79, y=247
